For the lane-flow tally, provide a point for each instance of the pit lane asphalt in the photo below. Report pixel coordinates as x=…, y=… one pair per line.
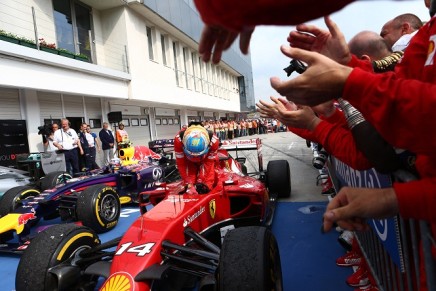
x=290, y=147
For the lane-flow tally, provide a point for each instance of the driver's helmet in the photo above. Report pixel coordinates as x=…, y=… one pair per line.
x=196, y=143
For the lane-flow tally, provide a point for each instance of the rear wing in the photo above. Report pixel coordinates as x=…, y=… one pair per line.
x=245, y=145
x=162, y=146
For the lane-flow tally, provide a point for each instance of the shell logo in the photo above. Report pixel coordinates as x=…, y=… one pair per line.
x=118, y=282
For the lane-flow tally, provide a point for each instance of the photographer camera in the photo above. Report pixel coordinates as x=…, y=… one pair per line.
x=47, y=132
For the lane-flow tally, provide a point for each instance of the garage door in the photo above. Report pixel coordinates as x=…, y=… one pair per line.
x=167, y=126
x=10, y=104
x=137, y=127
x=50, y=105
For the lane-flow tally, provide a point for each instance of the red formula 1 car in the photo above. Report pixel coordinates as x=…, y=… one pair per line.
x=216, y=241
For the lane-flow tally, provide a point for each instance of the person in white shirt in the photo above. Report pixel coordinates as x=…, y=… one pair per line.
x=93, y=146
x=67, y=142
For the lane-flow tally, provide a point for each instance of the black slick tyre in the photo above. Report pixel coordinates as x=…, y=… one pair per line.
x=48, y=249
x=279, y=178
x=98, y=207
x=11, y=199
x=249, y=261
x=50, y=180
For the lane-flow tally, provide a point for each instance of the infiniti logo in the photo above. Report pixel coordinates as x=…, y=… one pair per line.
x=381, y=227
x=157, y=173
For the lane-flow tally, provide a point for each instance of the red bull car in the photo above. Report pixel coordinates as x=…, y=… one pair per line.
x=215, y=241
x=93, y=199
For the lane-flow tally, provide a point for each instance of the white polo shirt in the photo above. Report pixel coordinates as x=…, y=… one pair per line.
x=66, y=138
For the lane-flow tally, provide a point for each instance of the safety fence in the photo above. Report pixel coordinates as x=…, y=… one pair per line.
x=399, y=252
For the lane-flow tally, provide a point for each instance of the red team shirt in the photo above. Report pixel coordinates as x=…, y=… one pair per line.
x=203, y=172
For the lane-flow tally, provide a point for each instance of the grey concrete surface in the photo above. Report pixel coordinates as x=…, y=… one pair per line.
x=288, y=146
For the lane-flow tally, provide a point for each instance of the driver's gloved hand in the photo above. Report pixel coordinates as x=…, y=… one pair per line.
x=202, y=188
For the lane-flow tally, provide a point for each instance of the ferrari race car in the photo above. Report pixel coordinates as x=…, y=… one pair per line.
x=215, y=241
x=93, y=199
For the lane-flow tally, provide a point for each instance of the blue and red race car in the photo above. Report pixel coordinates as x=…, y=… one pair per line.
x=93, y=199
x=215, y=241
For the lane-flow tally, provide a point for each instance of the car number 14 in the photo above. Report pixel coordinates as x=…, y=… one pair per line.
x=141, y=250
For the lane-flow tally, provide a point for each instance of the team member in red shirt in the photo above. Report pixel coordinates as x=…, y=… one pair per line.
x=196, y=156
x=400, y=108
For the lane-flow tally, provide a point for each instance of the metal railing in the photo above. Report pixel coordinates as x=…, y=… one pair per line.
x=415, y=245
x=35, y=24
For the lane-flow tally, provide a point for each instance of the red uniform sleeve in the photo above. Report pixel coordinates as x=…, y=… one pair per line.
x=417, y=199
x=187, y=169
x=235, y=15
x=358, y=63
x=337, y=119
x=401, y=110
x=339, y=142
x=303, y=133
x=207, y=169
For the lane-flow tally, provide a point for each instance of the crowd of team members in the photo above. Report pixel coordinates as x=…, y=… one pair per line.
x=230, y=129
x=398, y=104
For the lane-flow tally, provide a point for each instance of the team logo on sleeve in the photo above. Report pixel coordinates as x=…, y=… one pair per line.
x=431, y=51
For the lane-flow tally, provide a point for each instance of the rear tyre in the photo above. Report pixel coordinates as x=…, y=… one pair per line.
x=48, y=249
x=11, y=199
x=250, y=260
x=279, y=178
x=98, y=207
x=50, y=180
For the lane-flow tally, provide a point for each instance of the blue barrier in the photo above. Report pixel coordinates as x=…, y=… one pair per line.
x=393, y=247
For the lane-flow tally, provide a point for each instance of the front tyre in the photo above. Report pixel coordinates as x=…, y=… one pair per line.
x=249, y=261
x=48, y=249
x=12, y=198
x=279, y=178
x=50, y=180
x=98, y=207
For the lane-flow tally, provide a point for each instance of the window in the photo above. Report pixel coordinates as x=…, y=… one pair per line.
x=144, y=121
x=164, y=121
x=126, y=122
x=95, y=123
x=170, y=121
x=176, y=121
x=150, y=43
x=158, y=122
x=164, y=49
x=135, y=121
x=73, y=26
x=176, y=67
x=195, y=68
x=185, y=64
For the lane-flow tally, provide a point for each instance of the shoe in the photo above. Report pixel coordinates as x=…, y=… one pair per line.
x=327, y=188
x=370, y=287
x=346, y=239
x=359, y=278
x=349, y=259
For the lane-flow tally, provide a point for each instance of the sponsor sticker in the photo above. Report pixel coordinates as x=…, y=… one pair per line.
x=190, y=218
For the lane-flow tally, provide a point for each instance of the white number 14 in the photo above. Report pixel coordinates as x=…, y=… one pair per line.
x=141, y=250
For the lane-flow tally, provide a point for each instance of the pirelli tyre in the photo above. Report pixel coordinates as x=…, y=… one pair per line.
x=249, y=260
x=50, y=248
x=11, y=199
x=50, y=180
x=98, y=207
x=279, y=178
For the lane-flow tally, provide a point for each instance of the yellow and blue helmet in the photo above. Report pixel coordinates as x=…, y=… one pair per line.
x=196, y=142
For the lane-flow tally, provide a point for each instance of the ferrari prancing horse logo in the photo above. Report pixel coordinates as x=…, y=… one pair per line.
x=212, y=208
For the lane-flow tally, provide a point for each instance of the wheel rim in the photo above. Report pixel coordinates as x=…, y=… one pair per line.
x=109, y=209
x=63, y=178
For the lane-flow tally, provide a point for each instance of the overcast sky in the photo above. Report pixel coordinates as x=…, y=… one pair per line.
x=268, y=61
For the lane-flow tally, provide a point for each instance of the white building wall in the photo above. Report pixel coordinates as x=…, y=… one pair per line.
x=154, y=82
